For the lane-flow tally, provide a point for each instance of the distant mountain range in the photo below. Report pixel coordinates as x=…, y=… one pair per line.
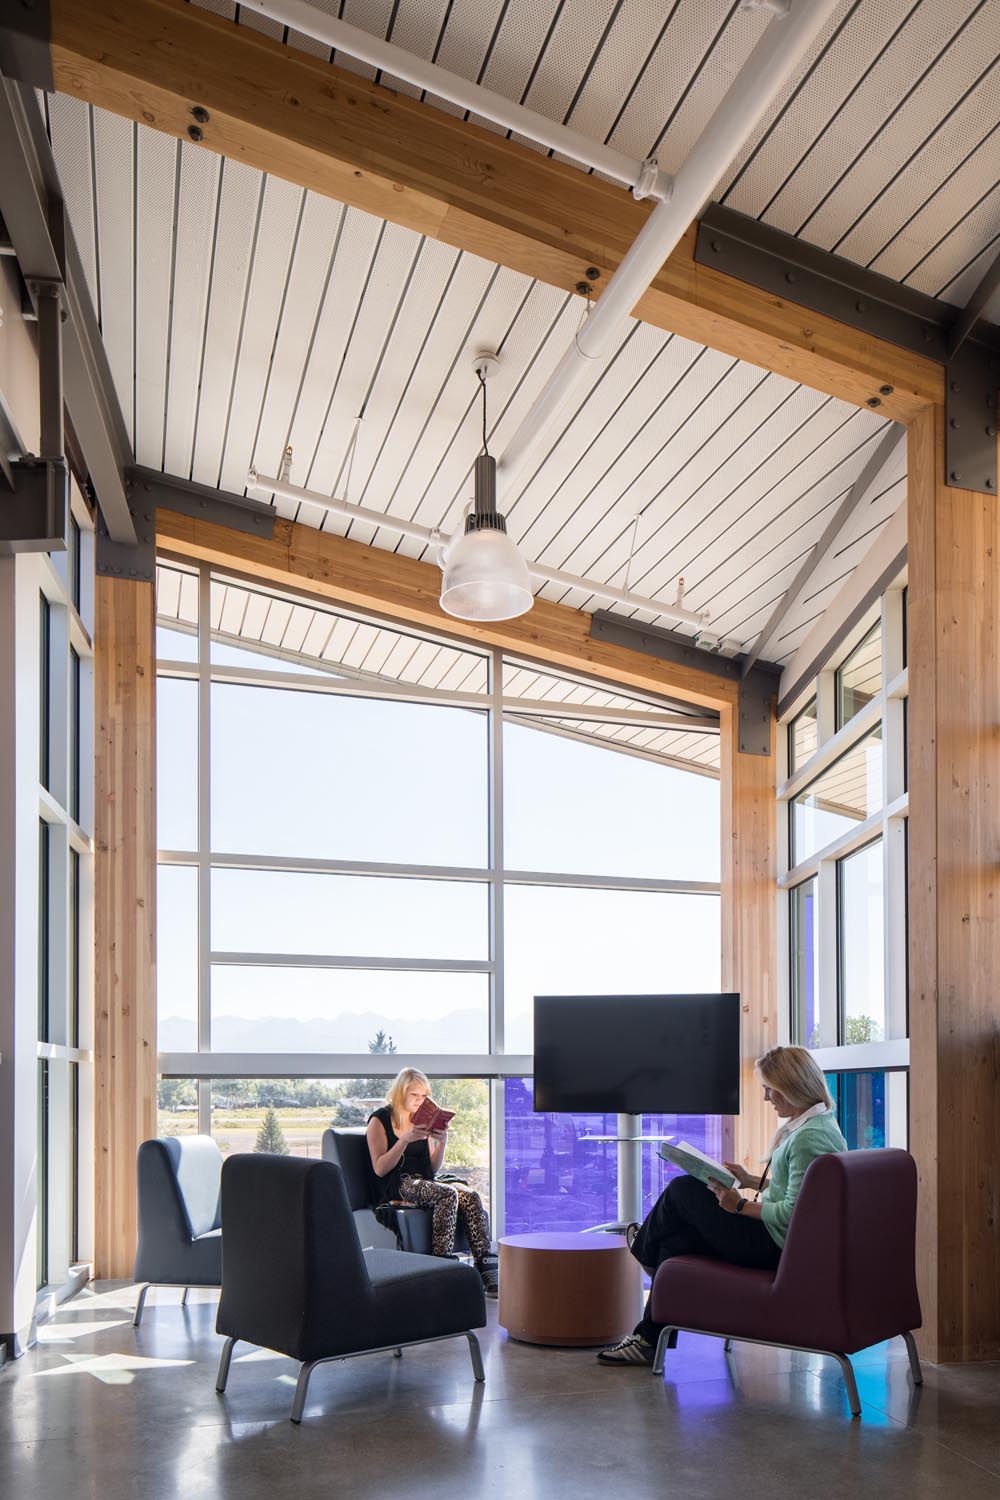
x=461, y=1031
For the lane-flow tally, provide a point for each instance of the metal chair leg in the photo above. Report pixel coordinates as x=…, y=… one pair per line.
x=140, y=1305
x=911, y=1349
x=301, y=1390
x=184, y=1296
x=663, y=1343
x=224, y=1363
x=477, y=1357
x=847, y=1370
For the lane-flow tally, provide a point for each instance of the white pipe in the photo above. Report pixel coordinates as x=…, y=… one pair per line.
x=429, y=537
x=642, y=177
x=770, y=64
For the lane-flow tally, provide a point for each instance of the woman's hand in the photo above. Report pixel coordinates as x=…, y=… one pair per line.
x=413, y=1133
x=743, y=1177
x=728, y=1198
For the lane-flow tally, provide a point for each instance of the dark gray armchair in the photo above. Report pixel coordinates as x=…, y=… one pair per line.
x=180, y=1236
x=296, y=1279
x=348, y=1150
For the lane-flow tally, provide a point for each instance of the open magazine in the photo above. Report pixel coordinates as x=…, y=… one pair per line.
x=696, y=1163
x=431, y=1116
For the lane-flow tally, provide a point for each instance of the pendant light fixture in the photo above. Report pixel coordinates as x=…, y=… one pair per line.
x=485, y=576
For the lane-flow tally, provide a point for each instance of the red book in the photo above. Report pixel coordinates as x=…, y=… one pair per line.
x=431, y=1116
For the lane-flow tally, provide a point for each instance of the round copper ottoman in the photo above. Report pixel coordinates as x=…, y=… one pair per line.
x=573, y=1289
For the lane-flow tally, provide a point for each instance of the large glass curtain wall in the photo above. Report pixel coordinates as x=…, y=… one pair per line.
x=842, y=820
x=377, y=847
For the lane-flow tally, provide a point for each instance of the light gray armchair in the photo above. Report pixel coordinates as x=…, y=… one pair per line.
x=180, y=1233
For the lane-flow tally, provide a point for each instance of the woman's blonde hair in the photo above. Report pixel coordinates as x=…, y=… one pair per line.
x=404, y=1079
x=795, y=1073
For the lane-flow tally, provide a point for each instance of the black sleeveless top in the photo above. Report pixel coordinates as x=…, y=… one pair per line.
x=415, y=1162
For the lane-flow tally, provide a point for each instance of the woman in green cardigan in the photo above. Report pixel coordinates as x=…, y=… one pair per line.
x=692, y=1219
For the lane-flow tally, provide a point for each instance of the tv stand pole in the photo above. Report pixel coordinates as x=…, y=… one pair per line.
x=630, y=1169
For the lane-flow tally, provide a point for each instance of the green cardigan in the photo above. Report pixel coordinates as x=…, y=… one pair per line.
x=788, y=1167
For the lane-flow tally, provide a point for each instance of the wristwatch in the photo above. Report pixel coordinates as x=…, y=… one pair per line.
x=740, y=1206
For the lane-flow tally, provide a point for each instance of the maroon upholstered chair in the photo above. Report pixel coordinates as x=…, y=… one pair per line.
x=846, y=1278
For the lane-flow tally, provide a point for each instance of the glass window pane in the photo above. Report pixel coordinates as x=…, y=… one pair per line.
x=803, y=737
x=861, y=924
x=176, y=645
x=588, y=810
x=44, y=687
x=74, y=948
x=43, y=930
x=74, y=735
x=223, y=654
x=860, y=677
x=269, y=1114
x=74, y=562
x=177, y=1106
x=263, y=1009
x=556, y=1179
x=176, y=763
x=804, y=966
x=359, y=778
x=844, y=795
x=177, y=958
x=564, y=941
x=871, y=1108
x=274, y=911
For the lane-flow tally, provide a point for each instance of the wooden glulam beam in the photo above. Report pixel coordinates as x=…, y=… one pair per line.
x=371, y=578
x=296, y=116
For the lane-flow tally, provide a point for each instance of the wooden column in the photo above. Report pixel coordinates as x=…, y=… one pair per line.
x=954, y=893
x=125, y=901
x=749, y=920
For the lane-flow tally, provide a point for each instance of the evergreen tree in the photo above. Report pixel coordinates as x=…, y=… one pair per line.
x=270, y=1136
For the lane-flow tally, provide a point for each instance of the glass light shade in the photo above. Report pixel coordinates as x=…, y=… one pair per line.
x=485, y=578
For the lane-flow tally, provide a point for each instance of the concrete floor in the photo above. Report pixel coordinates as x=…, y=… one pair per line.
x=101, y=1410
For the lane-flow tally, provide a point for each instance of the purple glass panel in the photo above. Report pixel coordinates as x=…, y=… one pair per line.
x=555, y=1179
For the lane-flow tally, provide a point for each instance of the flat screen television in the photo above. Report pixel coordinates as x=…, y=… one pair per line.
x=638, y=1054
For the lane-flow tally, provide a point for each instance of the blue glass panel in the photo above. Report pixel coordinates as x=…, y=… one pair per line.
x=861, y=1108
x=555, y=1179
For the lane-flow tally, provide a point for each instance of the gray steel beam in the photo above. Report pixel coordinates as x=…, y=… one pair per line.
x=31, y=208
x=149, y=489
x=756, y=690
x=878, y=460
x=973, y=310
x=25, y=42
x=798, y=272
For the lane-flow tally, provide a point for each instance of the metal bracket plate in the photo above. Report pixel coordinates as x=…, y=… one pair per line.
x=795, y=271
x=148, y=489
x=33, y=518
x=971, y=420
x=757, y=690
x=124, y=559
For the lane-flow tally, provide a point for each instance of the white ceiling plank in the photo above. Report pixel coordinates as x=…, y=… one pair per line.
x=70, y=134
x=310, y=268
x=275, y=237
x=878, y=87
x=115, y=218
x=239, y=202
x=891, y=228
x=192, y=272
x=156, y=167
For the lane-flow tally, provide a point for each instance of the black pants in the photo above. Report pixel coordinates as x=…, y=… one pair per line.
x=687, y=1220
